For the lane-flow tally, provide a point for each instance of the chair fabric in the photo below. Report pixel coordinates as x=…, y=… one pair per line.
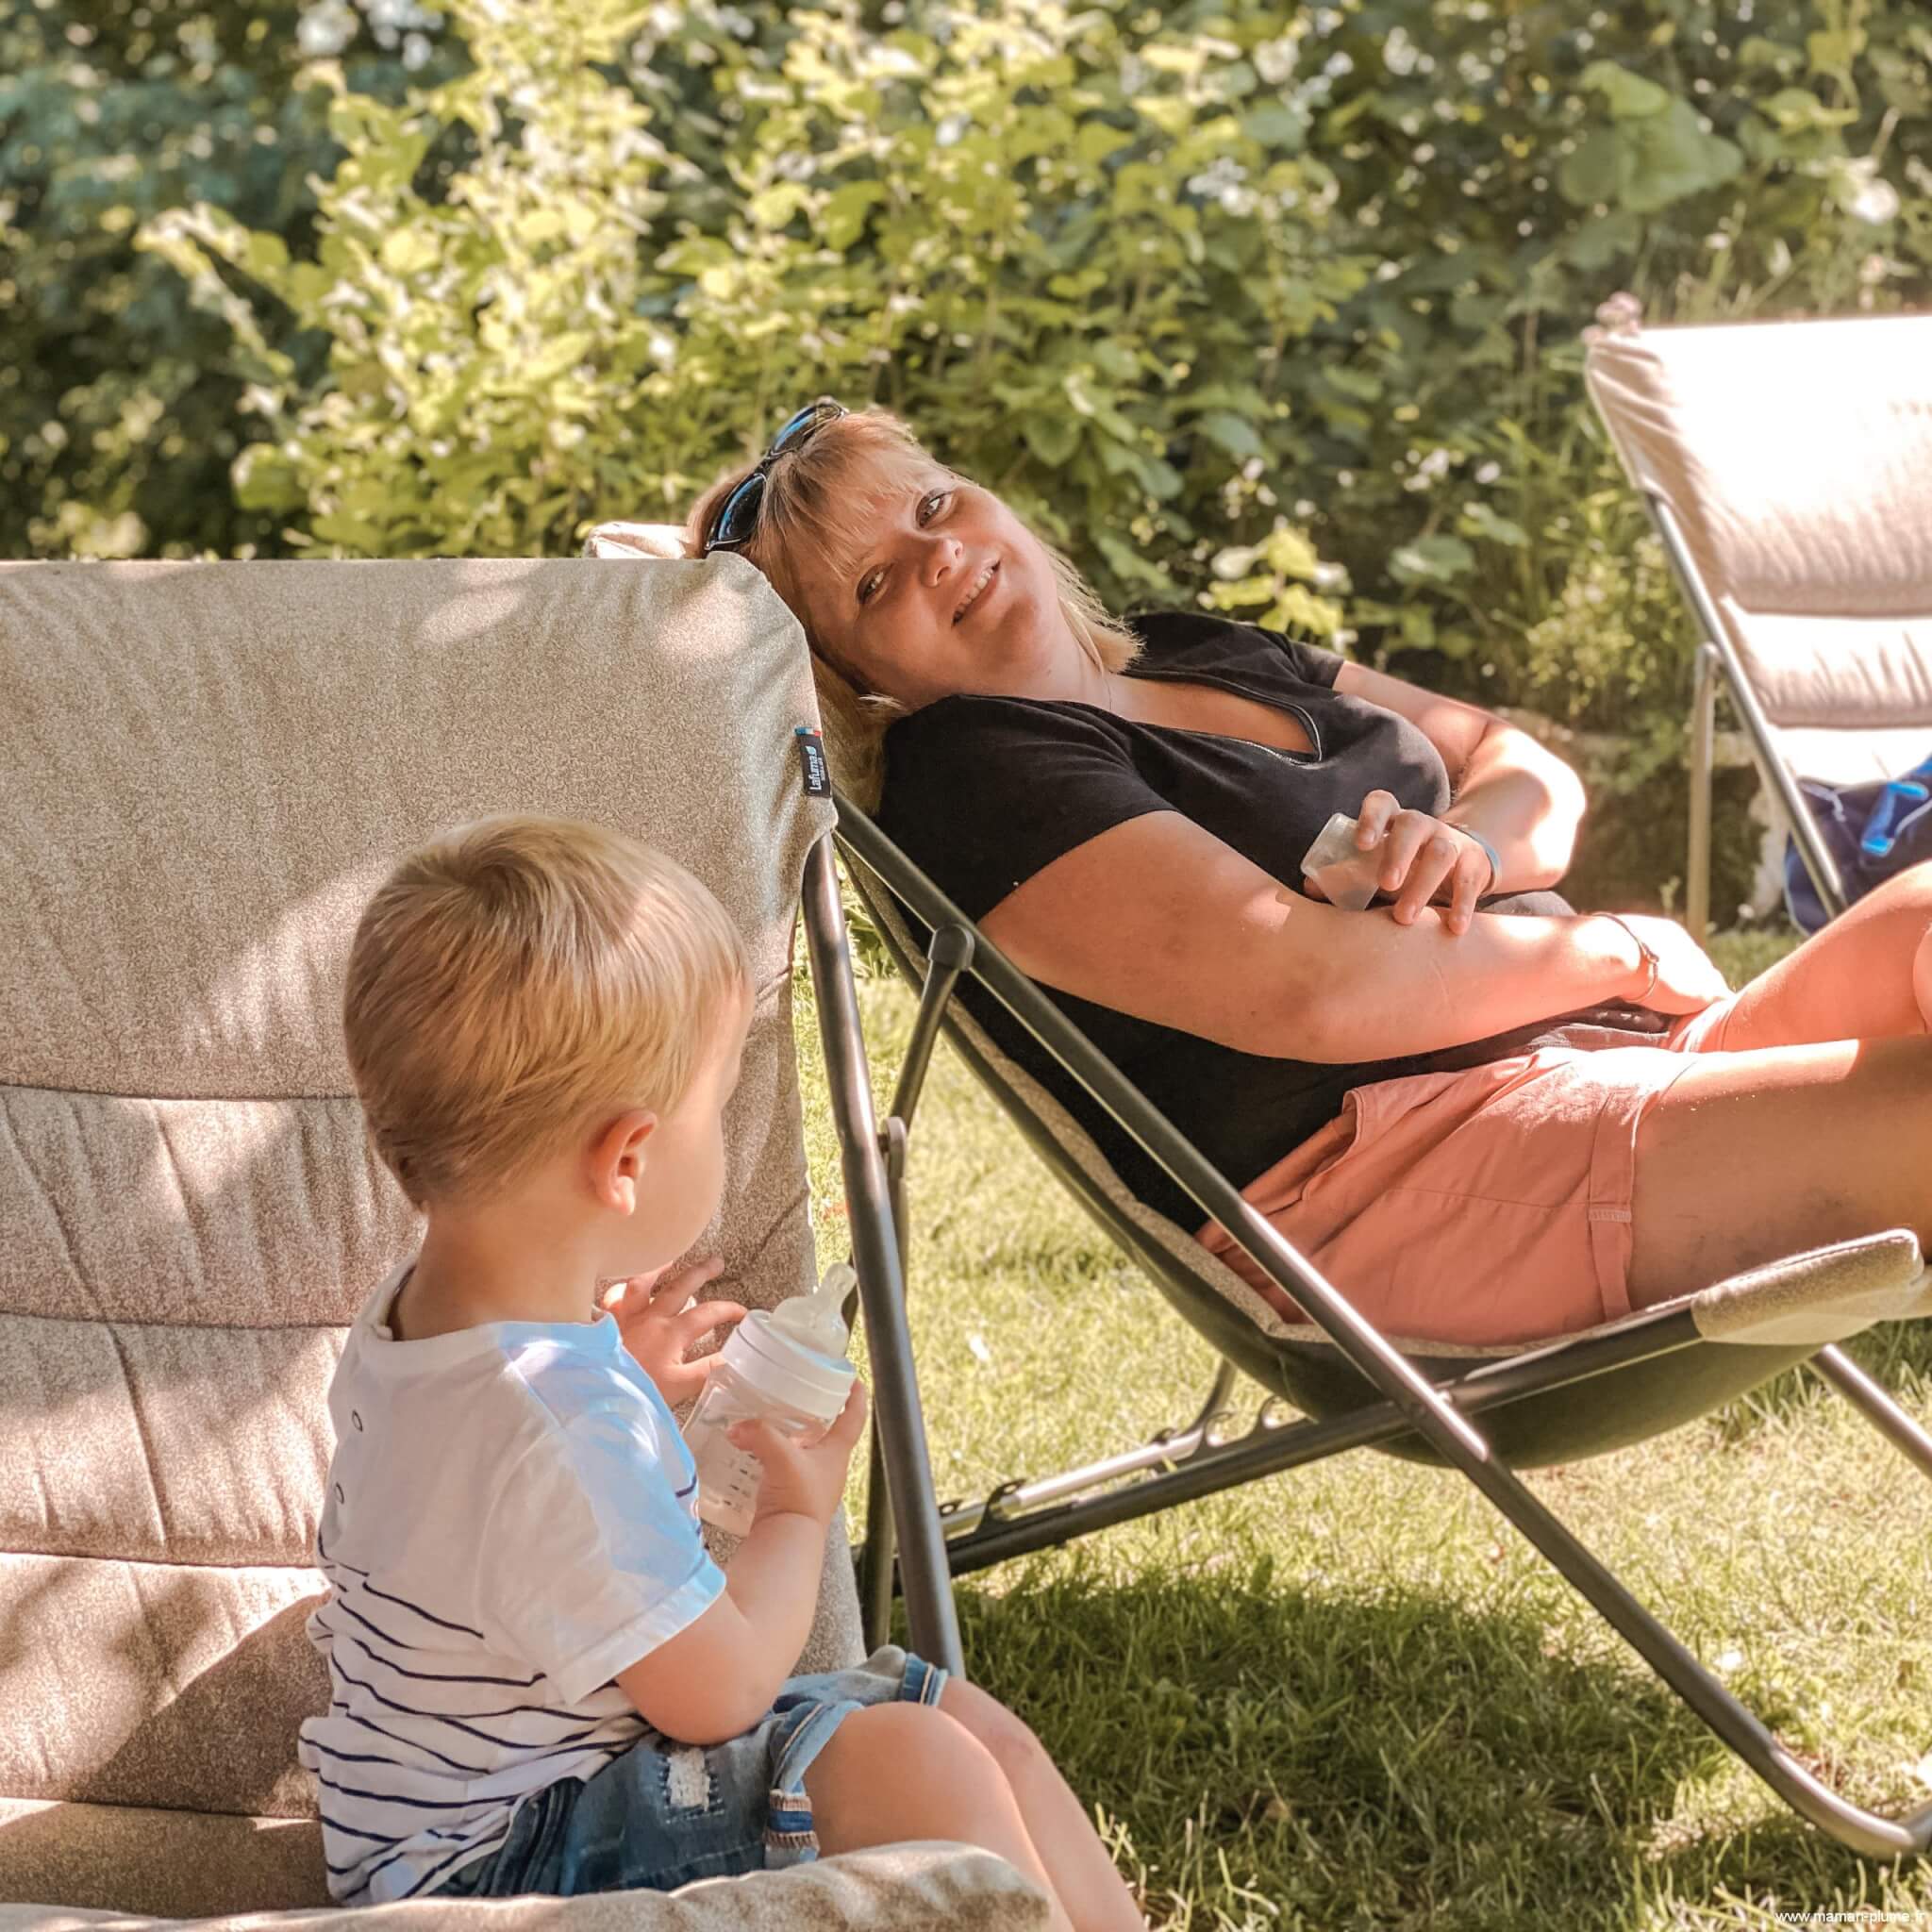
x=209, y=768
x=1796, y=458
x=892, y=1889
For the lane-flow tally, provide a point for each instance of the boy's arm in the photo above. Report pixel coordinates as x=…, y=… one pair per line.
x=719, y=1675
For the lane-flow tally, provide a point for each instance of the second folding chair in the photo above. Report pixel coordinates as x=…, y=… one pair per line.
x=1788, y=466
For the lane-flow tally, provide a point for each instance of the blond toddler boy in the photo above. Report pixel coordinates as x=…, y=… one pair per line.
x=540, y=1679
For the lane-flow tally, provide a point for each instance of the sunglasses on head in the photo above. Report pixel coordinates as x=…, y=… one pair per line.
x=740, y=517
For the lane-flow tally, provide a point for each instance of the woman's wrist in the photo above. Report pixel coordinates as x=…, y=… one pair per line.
x=1641, y=976
x=1488, y=852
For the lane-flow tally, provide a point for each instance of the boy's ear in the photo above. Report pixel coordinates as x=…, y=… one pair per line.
x=617, y=1160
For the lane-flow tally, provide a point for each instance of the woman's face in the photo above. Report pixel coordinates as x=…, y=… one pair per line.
x=950, y=594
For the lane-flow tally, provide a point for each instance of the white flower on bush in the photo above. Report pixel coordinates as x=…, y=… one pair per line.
x=1869, y=197
x=1274, y=59
x=1221, y=181
x=392, y=18
x=1222, y=173
x=1430, y=470
x=326, y=29
x=951, y=129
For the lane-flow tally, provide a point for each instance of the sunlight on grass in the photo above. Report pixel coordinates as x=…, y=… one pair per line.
x=1352, y=1695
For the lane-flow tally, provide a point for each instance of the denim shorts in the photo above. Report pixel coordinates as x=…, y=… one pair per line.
x=664, y=1814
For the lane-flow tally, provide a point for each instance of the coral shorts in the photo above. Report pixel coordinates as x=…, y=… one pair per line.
x=1486, y=1206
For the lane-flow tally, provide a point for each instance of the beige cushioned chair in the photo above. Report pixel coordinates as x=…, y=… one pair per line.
x=1787, y=466
x=208, y=769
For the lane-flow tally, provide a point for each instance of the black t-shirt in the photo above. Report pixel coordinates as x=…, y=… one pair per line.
x=982, y=792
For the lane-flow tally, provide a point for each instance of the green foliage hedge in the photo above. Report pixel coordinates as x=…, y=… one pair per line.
x=1271, y=306
x=119, y=403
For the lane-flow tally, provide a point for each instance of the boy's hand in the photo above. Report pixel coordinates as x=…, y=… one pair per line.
x=799, y=1477
x=661, y=1320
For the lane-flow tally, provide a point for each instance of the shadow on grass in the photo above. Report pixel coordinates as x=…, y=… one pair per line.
x=1276, y=1756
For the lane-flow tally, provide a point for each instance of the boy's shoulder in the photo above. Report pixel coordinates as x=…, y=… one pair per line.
x=516, y=1379
x=582, y=1372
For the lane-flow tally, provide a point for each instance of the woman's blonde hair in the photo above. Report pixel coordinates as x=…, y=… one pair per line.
x=514, y=976
x=825, y=499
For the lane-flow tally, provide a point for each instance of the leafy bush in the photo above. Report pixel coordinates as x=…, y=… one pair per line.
x=1274, y=308
x=119, y=400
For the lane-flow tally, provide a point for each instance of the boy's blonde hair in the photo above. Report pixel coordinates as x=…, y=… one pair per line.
x=514, y=977
x=825, y=499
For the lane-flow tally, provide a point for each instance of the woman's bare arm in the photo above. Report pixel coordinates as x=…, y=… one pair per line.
x=1525, y=801
x=1160, y=919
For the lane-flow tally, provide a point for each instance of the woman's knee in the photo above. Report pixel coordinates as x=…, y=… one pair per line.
x=906, y=1749
x=1008, y=1738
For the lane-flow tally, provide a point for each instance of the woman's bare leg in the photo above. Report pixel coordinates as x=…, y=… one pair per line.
x=897, y=1771
x=1753, y=1156
x=970, y=1771
x=1095, y=1895
x=1868, y=976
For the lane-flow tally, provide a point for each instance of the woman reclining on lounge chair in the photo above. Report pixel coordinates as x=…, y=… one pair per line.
x=1484, y=1116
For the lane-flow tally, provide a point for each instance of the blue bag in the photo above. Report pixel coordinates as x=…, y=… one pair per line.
x=1871, y=831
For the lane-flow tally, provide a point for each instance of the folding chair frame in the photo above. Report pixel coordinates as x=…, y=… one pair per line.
x=1716, y=658
x=1191, y=1461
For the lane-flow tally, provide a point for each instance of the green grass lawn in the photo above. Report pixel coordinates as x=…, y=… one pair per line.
x=1352, y=1695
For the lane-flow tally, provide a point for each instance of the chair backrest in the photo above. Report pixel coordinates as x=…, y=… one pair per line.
x=1796, y=460
x=209, y=768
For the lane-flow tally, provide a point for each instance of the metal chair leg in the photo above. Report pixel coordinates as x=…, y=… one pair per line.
x=878, y=1572
x=931, y=1617
x=1833, y=1366
x=1703, y=758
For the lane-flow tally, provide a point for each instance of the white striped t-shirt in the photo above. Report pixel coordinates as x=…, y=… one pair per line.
x=511, y=1518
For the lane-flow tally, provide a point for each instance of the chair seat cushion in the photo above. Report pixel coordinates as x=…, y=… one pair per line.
x=881, y=1890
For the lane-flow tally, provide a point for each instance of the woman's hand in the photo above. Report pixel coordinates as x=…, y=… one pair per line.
x=1687, y=978
x=661, y=1321
x=1424, y=860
